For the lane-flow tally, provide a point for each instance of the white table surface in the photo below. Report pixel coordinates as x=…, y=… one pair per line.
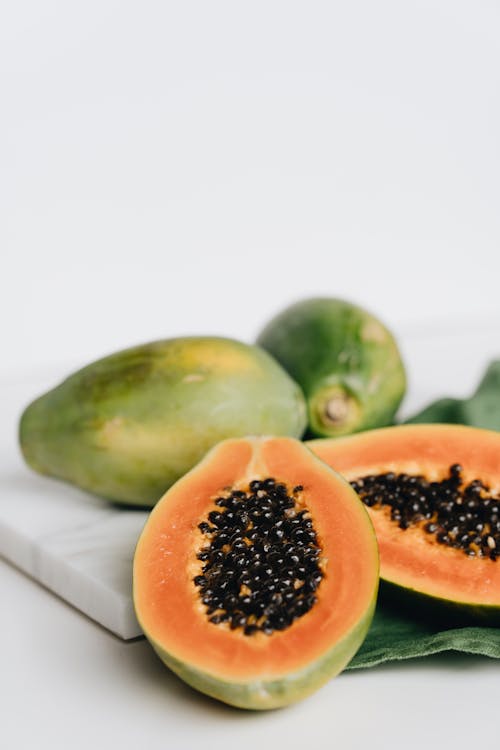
x=65, y=683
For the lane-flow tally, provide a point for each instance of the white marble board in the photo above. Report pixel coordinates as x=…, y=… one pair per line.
x=77, y=545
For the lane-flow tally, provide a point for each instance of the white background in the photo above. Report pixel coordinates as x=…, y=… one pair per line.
x=174, y=168
x=191, y=167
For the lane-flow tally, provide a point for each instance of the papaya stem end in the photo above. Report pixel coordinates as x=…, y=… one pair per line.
x=337, y=409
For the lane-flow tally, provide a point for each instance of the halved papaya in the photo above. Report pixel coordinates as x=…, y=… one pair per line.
x=433, y=494
x=256, y=574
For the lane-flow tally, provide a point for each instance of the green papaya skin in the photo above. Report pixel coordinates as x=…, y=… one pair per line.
x=265, y=694
x=346, y=361
x=128, y=426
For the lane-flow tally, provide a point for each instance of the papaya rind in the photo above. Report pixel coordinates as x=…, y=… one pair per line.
x=275, y=693
x=438, y=611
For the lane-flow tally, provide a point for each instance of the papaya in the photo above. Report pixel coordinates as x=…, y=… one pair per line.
x=433, y=494
x=256, y=574
x=346, y=361
x=128, y=426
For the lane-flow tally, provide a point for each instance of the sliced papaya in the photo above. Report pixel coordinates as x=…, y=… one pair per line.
x=345, y=360
x=129, y=425
x=433, y=494
x=256, y=574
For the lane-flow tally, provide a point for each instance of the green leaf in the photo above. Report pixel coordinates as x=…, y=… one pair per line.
x=483, y=409
x=394, y=636
x=444, y=410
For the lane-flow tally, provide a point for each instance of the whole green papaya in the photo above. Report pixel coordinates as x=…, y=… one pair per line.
x=346, y=361
x=129, y=425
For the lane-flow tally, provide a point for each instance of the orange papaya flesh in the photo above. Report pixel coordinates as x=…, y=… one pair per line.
x=467, y=576
x=263, y=669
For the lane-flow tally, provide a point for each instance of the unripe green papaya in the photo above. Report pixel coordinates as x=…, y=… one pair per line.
x=128, y=426
x=346, y=361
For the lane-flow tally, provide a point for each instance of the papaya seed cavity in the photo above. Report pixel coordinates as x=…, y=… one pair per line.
x=262, y=561
x=450, y=512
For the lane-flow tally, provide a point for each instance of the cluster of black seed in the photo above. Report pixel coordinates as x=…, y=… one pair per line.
x=466, y=517
x=261, y=561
